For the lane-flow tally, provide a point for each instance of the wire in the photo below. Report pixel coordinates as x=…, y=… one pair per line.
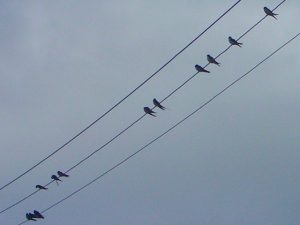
x=170, y=129
x=137, y=120
x=120, y=101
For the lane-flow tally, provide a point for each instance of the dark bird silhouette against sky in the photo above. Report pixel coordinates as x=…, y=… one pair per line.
x=149, y=111
x=201, y=69
x=61, y=174
x=234, y=42
x=41, y=187
x=212, y=60
x=157, y=104
x=270, y=13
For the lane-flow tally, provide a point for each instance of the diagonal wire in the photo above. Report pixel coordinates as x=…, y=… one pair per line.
x=170, y=129
x=120, y=101
x=137, y=120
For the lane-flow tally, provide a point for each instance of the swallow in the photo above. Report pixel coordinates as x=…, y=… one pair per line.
x=157, y=104
x=234, y=42
x=149, y=111
x=30, y=216
x=61, y=174
x=201, y=69
x=212, y=60
x=54, y=177
x=41, y=187
x=37, y=215
x=270, y=13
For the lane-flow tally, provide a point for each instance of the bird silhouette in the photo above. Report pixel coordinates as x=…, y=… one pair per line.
x=212, y=60
x=149, y=111
x=234, y=42
x=30, y=216
x=61, y=174
x=201, y=69
x=54, y=177
x=41, y=187
x=37, y=215
x=270, y=13
x=157, y=104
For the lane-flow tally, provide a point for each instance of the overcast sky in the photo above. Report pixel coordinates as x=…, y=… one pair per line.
x=64, y=63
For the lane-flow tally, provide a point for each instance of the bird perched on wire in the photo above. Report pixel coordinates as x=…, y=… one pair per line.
x=30, y=216
x=234, y=42
x=61, y=174
x=212, y=60
x=149, y=111
x=157, y=104
x=37, y=215
x=54, y=177
x=270, y=13
x=201, y=69
x=41, y=187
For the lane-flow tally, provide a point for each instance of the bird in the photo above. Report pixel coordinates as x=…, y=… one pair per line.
x=234, y=42
x=157, y=104
x=201, y=69
x=149, y=111
x=54, y=177
x=270, y=13
x=37, y=215
x=30, y=216
x=61, y=174
x=41, y=187
x=211, y=59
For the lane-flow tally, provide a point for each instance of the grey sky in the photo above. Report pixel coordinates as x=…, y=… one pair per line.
x=64, y=63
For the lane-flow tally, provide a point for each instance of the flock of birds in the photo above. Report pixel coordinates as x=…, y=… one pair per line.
x=55, y=178
x=37, y=215
x=199, y=68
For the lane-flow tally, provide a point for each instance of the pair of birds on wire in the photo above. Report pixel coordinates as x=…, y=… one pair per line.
x=232, y=41
x=150, y=111
x=35, y=215
x=55, y=178
x=60, y=174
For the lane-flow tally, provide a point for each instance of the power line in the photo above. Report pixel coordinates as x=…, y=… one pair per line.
x=120, y=101
x=137, y=120
x=170, y=129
